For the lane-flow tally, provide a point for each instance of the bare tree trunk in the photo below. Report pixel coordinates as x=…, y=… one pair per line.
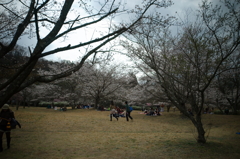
x=28, y=104
x=96, y=102
x=168, y=108
x=17, y=105
x=200, y=130
x=219, y=107
x=234, y=105
x=234, y=109
x=74, y=105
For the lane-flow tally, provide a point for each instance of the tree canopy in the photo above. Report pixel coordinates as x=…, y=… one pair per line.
x=47, y=22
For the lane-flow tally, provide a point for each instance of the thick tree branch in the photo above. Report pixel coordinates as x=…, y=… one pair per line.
x=21, y=27
x=51, y=78
x=64, y=12
x=84, y=25
x=81, y=44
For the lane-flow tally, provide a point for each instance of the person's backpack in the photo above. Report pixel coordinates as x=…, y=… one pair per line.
x=130, y=108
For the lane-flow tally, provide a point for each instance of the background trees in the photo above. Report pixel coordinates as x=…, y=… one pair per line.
x=103, y=83
x=184, y=65
x=47, y=22
x=228, y=84
x=180, y=66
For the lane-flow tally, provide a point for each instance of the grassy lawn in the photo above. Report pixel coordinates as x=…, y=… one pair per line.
x=82, y=133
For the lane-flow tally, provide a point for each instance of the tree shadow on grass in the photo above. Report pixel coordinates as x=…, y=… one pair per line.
x=211, y=149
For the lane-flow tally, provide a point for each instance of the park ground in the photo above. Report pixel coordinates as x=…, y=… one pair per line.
x=88, y=134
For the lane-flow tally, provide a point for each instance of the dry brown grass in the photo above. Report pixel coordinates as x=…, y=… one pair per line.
x=49, y=134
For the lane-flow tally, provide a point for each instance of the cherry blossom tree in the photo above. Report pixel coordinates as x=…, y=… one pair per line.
x=103, y=82
x=48, y=22
x=185, y=65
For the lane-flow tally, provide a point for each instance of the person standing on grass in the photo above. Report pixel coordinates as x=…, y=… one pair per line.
x=113, y=111
x=6, y=115
x=128, y=111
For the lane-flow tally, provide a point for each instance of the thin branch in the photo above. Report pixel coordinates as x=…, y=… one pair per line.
x=74, y=22
x=84, y=25
x=30, y=51
x=19, y=31
x=6, y=3
x=81, y=44
x=51, y=78
x=45, y=19
x=23, y=3
x=36, y=23
x=42, y=5
x=12, y=12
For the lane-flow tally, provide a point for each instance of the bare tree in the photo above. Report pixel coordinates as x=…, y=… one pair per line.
x=185, y=65
x=47, y=22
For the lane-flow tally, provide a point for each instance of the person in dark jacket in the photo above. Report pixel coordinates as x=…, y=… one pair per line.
x=6, y=115
x=128, y=111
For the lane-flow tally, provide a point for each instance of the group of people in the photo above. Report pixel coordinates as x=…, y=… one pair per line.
x=6, y=115
x=208, y=110
x=83, y=106
x=152, y=112
x=116, y=112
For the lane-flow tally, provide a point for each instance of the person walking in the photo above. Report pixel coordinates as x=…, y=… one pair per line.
x=128, y=111
x=6, y=116
x=113, y=111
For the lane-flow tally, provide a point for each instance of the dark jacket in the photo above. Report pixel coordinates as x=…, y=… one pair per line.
x=5, y=116
x=127, y=108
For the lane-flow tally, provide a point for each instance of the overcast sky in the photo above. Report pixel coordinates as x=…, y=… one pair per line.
x=179, y=8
